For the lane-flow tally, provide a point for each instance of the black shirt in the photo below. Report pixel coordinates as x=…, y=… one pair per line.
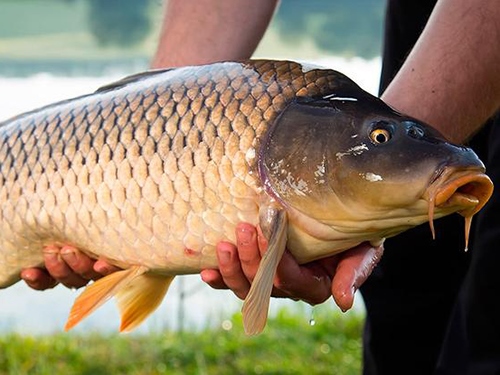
x=418, y=313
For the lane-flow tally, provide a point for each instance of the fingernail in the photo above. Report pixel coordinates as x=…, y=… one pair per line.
x=224, y=257
x=68, y=255
x=203, y=277
x=350, y=298
x=103, y=270
x=245, y=235
x=28, y=276
x=51, y=255
x=207, y=276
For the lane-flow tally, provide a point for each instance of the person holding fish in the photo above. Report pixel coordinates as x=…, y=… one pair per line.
x=431, y=307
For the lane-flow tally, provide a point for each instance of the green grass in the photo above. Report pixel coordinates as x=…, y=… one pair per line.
x=289, y=345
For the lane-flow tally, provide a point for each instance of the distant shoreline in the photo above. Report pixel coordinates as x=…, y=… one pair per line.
x=10, y=67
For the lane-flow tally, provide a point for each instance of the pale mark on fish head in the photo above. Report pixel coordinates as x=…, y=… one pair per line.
x=320, y=171
x=299, y=187
x=372, y=177
x=354, y=151
x=275, y=167
x=290, y=184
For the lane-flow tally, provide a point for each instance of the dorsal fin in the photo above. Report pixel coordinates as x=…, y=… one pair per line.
x=131, y=79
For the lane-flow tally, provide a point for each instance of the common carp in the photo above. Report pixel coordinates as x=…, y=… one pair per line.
x=151, y=172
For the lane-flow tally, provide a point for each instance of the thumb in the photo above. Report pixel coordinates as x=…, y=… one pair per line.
x=354, y=267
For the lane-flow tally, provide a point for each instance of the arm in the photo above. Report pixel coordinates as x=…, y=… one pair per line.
x=451, y=79
x=204, y=31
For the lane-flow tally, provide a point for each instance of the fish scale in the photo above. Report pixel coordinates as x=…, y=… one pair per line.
x=151, y=172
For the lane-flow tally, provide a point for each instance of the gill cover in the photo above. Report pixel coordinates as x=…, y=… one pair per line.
x=299, y=158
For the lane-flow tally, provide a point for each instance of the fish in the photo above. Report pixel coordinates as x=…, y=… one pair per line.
x=152, y=171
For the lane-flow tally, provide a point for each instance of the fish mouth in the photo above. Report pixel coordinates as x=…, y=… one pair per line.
x=464, y=191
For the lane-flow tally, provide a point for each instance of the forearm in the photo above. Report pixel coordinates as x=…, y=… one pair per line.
x=451, y=79
x=203, y=31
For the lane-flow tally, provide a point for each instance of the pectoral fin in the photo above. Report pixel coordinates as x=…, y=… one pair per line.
x=256, y=305
x=138, y=295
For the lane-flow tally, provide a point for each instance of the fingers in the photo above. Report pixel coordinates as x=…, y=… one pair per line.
x=339, y=275
x=353, y=269
x=251, y=246
x=230, y=274
x=213, y=278
x=68, y=266
x=310, y=283
x=238, y=266
x=103, y=268
x=38, y=278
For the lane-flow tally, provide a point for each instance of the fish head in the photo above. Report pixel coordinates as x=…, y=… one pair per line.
x=347, y=161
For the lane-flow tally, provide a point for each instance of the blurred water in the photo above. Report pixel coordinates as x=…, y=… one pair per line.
x=27, y=311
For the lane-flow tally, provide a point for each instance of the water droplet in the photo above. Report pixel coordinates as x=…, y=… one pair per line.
x=312, y=321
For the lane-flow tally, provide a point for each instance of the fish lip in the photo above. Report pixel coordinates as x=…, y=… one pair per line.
x=461, y=190
x=466, y=188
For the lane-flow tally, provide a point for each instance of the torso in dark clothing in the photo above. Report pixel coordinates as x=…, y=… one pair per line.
x=411, y=294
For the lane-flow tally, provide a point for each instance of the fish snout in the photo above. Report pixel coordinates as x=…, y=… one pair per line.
x=467, y=190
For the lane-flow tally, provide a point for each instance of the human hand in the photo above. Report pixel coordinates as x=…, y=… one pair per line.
x=68, y=266
x=339, y=275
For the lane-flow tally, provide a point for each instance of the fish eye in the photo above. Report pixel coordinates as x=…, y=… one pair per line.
x=380, y=135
